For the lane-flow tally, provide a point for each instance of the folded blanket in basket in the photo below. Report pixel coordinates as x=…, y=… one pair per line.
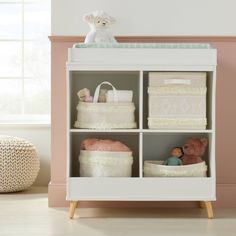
x=122, y=95
x=93, y=144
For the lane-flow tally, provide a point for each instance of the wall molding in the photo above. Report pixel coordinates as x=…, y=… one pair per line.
x=149, y=39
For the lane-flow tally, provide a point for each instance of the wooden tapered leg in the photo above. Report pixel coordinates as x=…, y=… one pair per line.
x=73, y=205
x=209, y=209
x=202, y=204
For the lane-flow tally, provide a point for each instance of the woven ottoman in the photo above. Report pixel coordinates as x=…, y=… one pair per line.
x=19, y=164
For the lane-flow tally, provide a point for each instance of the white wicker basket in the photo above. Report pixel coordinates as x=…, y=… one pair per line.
x=105, y=164
x=177, y=100
x=157, y=169
x=116, y=115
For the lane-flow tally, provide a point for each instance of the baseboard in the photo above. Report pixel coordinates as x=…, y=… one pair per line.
x=57, y=195
x=226, y=195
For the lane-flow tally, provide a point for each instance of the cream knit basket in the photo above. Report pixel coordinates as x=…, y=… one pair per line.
x=113, y=115
x=157, y=169
x=105, y=164
x=19, y=164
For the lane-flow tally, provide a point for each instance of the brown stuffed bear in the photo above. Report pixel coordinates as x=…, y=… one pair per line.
x=193, y=150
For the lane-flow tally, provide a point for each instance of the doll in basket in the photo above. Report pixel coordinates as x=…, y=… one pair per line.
x=174, y=160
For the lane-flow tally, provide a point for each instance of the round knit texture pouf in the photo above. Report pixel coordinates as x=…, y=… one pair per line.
x=19, y=164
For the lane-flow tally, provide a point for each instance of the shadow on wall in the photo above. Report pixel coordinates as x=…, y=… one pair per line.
x=43, y=177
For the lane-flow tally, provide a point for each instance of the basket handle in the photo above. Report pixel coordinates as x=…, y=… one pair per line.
x=177, y=81
x=97, y=90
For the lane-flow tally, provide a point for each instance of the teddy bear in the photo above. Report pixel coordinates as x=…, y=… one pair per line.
x=99, y=22
x=194, y=150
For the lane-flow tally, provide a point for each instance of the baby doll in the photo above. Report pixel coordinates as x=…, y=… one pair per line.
x=84, y=95
x=174, y=160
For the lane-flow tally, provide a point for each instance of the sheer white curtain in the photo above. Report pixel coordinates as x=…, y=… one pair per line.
x=24, y=60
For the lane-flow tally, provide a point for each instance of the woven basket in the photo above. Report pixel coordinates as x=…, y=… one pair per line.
x=177, y=100
x=19, y=164
x=114, y=115
x=105, y=164
x=157, y=169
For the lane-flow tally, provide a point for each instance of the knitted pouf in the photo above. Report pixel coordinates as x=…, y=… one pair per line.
x=19, y=164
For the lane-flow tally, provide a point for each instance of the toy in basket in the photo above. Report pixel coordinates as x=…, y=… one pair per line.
x=157, y=169
x=184, y=162
x=105, y=158
x=105, y=115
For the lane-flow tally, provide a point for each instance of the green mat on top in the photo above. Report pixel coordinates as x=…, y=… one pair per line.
x=144, y=45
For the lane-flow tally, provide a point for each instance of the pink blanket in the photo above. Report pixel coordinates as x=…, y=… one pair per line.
x=93, y=144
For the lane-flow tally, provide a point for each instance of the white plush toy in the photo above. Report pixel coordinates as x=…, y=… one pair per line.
x=99, y=22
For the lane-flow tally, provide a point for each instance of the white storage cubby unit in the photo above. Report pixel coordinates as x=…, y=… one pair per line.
x=128, y=68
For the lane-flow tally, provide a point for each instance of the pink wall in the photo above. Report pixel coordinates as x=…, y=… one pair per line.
x=226, y=121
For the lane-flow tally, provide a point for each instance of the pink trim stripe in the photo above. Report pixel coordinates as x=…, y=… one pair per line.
x=145, y=39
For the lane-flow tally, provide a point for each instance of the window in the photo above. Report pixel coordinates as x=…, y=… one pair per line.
x=24, y=60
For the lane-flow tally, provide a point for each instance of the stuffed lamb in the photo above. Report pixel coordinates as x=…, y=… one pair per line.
x=99, y=22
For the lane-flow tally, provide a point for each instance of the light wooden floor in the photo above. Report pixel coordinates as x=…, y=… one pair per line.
x=27, y=214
